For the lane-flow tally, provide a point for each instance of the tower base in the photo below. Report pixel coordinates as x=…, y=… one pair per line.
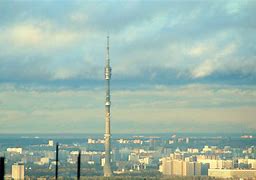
x=107, y=171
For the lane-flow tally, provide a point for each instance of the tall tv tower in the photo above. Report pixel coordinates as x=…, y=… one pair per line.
x=107, y=166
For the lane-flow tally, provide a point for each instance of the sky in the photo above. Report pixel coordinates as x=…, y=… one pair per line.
x=177, y=66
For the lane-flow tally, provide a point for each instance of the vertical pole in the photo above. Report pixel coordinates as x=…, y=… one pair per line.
x=2, y=169
x=78, y=165
x=57, y=161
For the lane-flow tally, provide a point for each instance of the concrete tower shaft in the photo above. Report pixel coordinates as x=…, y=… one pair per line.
x=107, y=136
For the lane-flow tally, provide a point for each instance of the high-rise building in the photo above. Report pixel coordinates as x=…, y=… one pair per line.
x=18, y=171
x=50, y=143
x=217, y=163
x=178, y=167
x=107, y=136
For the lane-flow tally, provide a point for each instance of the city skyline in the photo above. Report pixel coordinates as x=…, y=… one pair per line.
x=178, y=67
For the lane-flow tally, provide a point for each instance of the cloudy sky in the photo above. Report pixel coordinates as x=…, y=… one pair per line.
x=178, y=66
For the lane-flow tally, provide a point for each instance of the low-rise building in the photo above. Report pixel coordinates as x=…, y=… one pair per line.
x=17, y=150
x=232, y=173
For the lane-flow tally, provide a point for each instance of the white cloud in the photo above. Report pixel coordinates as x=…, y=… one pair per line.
x=212, y=57
x=78, y=17
x=234, y=7
x=25, y=35
x=158, y=39
x=64, y=73
x=31, y=36
x=196, y=51
x=204, y=69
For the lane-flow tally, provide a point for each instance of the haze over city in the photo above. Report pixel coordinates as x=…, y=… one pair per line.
x=178, y=67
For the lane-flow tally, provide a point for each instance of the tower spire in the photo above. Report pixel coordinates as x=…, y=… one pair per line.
x=107, y=135
x=107, y=58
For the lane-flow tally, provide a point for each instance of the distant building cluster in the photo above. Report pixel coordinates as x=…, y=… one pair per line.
x=208, y=162
x=155, y=155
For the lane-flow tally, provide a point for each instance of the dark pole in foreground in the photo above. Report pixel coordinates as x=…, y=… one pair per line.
x=78, y=165
x=1, y=168
x=57, y=161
